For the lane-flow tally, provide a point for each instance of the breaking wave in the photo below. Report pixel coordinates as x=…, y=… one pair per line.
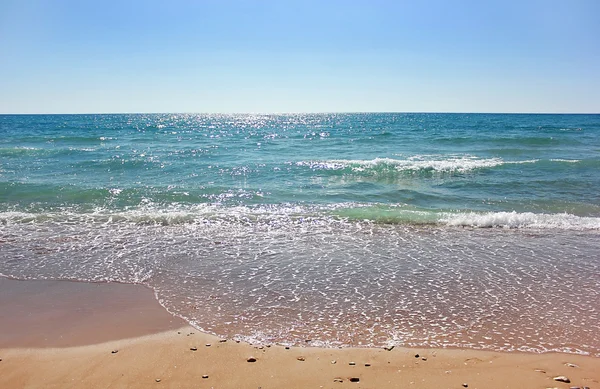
x=453, y=164
x=291, y=216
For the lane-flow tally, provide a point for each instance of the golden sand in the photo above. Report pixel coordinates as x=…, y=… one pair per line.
x=186, y=358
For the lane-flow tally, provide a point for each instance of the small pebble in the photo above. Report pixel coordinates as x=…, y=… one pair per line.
x=287, y=347
x=424, y=358
x=561, y=378
x=574, y=387
x=222, y=340
x=114, y=351
x=354, y=379
x=193, y=348
x=207, y=344
x=338, y=380
x=388, y=348
x=465, y=385
x=571, y=365
x=352, y=363
x=301, y=359
x=333, y=362
x=204, y=376
x=157, y=380
x=416, y=355
x=367, y=364
x=251, y=359
x=540, y=370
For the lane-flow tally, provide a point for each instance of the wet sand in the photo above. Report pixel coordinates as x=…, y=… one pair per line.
x=117, y=336
x=62, y=313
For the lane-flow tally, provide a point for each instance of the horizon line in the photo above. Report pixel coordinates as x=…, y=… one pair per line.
x=301, y=113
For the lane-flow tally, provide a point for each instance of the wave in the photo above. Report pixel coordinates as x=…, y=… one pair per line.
x=451, y=164
x=23, y=151
x=291, y=216
x=513, y=219
x=492, y=219
x=565, y=160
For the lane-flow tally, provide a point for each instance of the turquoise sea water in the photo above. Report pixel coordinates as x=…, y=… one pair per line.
x=468, y=230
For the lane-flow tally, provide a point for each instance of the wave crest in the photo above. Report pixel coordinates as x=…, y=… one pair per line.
x=452, y=164
x=291, y=216
x=514, y=219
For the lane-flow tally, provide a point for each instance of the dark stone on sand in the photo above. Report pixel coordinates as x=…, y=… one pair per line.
x=157, y=380
x=204, y=376
x=352, y=363
x=562, y=378
x=465, y=385
x=416, y=355
x=388, y=348
x=367, y=364
x=301, y=359
x=251, y=359
x=287, y=347
x=222, y=340
x=114, y=351
x=354, y=379
x=338, y=380
x=207, y=344
x=193, y=348
x=424, y=358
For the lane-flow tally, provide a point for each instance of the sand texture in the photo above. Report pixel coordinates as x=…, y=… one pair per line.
x=168, y=360
x=185, y=358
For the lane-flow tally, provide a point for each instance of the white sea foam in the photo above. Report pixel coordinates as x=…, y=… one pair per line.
x=460, y=164
x=565, y=160
x=563, y=221
x=290, y=216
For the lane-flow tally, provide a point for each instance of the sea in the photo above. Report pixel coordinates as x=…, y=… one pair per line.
x=477, y=231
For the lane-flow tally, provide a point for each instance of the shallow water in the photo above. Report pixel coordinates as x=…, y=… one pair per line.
x=477, y=231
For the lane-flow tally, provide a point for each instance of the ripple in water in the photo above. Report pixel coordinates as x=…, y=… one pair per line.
x=339, y=283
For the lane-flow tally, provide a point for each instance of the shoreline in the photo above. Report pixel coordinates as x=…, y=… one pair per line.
x=152, y=345
x=62, y=313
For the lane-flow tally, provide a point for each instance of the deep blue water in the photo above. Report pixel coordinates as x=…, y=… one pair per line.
x=348, y=228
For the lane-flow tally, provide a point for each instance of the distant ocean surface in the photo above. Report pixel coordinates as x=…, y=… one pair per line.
x=442, y=230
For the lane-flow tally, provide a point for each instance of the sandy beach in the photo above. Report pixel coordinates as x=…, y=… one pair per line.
x=118, y=336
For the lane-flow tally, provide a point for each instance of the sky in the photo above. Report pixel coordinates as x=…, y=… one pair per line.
x=74, y=56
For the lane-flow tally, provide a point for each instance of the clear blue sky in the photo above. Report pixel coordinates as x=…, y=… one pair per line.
x=76, y=56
